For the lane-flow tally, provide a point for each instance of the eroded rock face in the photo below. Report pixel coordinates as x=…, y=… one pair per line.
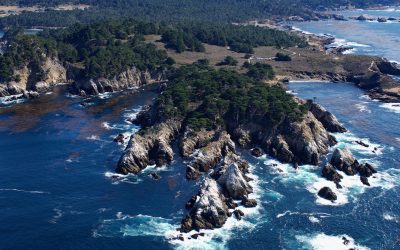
x=152, y=144
x=330, y=173
x=344, y=161
x=131, y=78
x=193, y=140
x=303, y=142
x=326, y=118
x=209, y=210
x=234, y=184
x=210, y=155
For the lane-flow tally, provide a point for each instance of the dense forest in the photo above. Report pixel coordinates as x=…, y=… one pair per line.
x=107, y=48
x=101, y=50
x=239, y=38
x=172, y=10
x=209, y=98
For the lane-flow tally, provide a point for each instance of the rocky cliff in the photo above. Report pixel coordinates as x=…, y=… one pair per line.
x=55, y=73
x=212, y=154
x=131, y=78
x=150, y=146
x=51, y=72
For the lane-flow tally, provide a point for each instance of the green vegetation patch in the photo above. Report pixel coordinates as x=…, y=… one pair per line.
x=209, y=98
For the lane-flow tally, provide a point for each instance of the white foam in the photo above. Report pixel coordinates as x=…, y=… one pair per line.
x=395, y=107
x=12, y=99
x=348, y=140
x=93, y=138
x=363, y=107
x=57, y=216
x=132, y=113
x=24, y=191
x=140, y=225
x=109, y=126
x=390, y=217
x=118, y=178
x=314, y=219
x=310, y=176
x=322, y=241
x=300, y=30
x=105, y=95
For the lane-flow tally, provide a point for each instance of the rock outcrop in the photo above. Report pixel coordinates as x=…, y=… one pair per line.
x=209, y=211
x=301, y=142
x=327, y=194
x=210, y=207
x=209, y=156
x=55, y=74
x=326, y=118
x=343, y=160
x=131, y=78
x=152, y=145
x=330, y=173
x=234, y=184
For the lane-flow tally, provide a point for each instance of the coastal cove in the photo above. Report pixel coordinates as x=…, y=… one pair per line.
x=364, y=37
x=133, y=135
x=58, y=184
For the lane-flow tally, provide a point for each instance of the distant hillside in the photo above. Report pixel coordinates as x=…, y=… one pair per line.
x=173, y=10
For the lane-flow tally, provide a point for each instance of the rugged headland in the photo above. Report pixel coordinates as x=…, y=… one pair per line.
x=210, y=125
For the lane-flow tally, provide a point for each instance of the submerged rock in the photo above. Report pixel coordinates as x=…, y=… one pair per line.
x=249, y=202
x=155, y=176
x=257, y=152
x=238, y=214
x=327, y=194
x=119, y=138
x=365, y=181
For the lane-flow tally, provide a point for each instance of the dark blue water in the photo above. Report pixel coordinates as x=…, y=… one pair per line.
x=366, y=37
x=56, y=189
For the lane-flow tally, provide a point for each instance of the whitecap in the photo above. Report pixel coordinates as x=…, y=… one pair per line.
x=314, y=215
x=117, y=126
x=140, y=225
x=93, y=138
x=390, y=217
x=363, y=107
x=105, y=95
x=395, y=107
x=24, y=191
x=314, y=219
x=349, y=140
x=12, y=99
x=57, y=216
x=118, y=178
x=322, y=241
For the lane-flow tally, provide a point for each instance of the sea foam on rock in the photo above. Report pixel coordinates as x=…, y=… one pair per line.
x=151, y=145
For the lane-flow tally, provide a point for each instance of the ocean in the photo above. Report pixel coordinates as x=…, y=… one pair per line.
x=365, y=37
x=58, y=189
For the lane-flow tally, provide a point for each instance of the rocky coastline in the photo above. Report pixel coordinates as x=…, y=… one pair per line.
x=72, y=79
x=212, y=157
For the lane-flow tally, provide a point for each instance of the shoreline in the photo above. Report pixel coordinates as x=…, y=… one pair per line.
x=386, y=90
